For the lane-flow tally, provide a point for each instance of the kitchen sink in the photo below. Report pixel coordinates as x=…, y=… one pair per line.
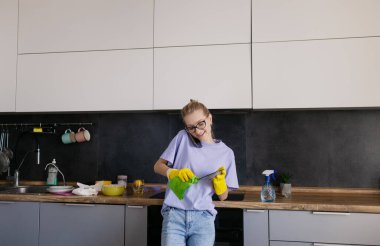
x=33, y=189
x=231, y=196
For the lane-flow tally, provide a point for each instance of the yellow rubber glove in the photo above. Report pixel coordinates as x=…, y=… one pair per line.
x=219, y=182
x=184, y=174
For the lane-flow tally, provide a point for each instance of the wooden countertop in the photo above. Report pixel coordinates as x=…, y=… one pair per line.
x=306, y=199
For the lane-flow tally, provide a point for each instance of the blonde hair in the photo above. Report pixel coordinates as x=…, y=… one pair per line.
x=192, y=106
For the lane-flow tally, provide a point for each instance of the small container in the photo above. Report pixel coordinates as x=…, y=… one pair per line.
x=138, y=186
x=122, y=180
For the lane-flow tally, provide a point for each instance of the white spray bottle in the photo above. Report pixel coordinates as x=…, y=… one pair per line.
x=268, y=194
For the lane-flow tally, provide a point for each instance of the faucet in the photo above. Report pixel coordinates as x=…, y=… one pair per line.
x=53, y=164
x=16, y=176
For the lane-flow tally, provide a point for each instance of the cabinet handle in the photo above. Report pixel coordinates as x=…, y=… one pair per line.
x=79, y=205
x=255, y=211
x=331, y=213
x=3, y=202
x=135, y=206
x=328, y=244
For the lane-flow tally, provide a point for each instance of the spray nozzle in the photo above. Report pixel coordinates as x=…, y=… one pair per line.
x=268, y=174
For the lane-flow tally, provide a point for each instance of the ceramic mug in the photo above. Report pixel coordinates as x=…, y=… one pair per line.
x=68, y=137
x=82, y=135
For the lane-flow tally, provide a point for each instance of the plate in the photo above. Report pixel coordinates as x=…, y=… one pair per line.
x=60, y=189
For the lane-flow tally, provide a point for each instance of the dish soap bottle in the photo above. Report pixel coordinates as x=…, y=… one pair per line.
x=52, y=174
x=268, y=194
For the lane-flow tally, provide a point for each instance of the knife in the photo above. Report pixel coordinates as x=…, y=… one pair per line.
x=211, y=175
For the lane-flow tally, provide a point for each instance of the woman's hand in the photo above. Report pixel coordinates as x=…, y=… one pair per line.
x=185, y=174
x=219, y=182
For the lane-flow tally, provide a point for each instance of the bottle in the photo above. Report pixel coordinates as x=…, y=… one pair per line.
x=122, y=180
x=52, y=174
x=268, y=194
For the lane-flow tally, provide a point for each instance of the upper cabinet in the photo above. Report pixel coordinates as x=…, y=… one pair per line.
x=201, y=22
x=78, y=25
x=316, y=74
x=218, y=75
x=86, y=81
x=8, y=54
x=285, y=20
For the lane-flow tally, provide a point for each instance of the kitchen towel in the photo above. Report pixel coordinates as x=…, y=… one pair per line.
x=179, y=188
x=87, y=190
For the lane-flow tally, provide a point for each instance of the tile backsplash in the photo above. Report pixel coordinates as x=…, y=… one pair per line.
x=327, y=148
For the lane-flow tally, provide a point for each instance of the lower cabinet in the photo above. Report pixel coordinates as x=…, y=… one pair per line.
x=323, y=228
x=19, y=223
x=280, y=243
x=63, y=224
x=256, y=227
x=136, y=225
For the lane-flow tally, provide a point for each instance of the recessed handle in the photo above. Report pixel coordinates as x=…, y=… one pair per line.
x=4, y=202
x=135, y=206
x=79, y=205
x=329, y=244
x=255, y=211
x=331, y=213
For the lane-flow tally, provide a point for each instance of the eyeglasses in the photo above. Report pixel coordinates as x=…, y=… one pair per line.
x=200, y=125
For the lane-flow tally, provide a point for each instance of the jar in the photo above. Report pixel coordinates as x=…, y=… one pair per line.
x=122, y=180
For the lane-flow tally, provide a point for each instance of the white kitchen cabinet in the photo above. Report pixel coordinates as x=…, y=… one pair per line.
x=256, y=227
x=136, y=225
x=198, y=22
x=8, y=54
x=279, y=20
x=219, y=76
x=324, y=227
x=19, y=223
x=86, y=81
x=81, y=224
x=316, y=74
x=80, y=25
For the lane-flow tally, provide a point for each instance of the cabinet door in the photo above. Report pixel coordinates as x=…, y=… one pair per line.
x=8, y=54
x=85, y=81
x=316, y=74
x=324, y=227
x=219, y=76
x=81, y=224
x=78, y=25
x=136, y=225
x=279, y=20
x=256, y=227
x=19, y=223
x=182, y=22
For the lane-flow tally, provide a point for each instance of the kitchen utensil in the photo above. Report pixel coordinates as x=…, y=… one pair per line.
x=6, y=149
x=113, y=190
x=68, y=137
x=211, y=175
x=4, y=160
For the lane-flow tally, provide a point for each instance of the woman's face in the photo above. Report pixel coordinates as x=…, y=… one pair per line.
x=199, y=125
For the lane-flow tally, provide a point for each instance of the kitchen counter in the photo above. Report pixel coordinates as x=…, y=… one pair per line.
x=303, y=199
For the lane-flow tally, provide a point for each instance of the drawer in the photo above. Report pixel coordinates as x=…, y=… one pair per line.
x=325, y=227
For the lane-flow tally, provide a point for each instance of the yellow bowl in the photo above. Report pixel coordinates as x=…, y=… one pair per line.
x=113, y=190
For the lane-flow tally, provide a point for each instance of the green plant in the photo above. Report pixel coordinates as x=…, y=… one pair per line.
x=284, y=177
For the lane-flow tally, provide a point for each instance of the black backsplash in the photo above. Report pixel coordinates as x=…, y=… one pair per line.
x=327, y=148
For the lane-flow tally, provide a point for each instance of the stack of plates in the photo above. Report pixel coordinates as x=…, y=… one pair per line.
x=60, y=189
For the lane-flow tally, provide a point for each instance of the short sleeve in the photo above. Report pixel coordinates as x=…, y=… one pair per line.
x=231, y=177
x=171, y=151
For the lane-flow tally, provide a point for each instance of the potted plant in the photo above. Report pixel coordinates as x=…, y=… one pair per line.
x=285, y=185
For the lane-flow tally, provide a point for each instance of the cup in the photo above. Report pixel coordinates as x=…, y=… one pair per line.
x=82, y=135
x=68, y=137
x=138, y=186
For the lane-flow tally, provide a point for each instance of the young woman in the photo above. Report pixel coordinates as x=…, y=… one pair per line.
x=195, y=152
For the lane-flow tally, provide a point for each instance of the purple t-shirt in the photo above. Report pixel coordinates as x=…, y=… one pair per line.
x=202, y=160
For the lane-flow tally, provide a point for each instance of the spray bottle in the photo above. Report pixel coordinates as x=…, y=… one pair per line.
x=52, y=173
x=268, y=194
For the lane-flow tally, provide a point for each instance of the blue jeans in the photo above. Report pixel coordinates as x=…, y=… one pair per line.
x=187, y=227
